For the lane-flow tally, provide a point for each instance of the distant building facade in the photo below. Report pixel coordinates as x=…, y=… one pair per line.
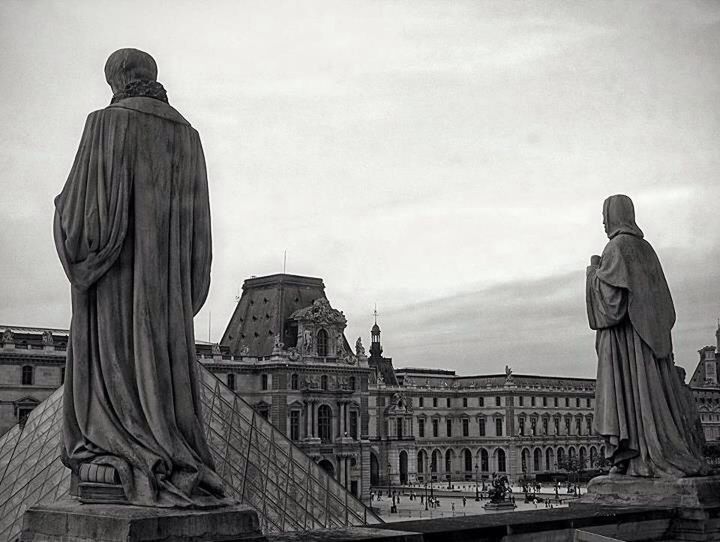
x=32, y=366
x=706, y=389
x=284, y=351
x=438, y=426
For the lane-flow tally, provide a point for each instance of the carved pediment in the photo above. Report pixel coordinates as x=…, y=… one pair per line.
x=320, y=313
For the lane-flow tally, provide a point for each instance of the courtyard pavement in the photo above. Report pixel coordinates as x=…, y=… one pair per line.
x=414, y=509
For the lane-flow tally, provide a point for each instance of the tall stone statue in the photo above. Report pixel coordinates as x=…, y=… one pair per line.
x=132, y=229
x=643, y=410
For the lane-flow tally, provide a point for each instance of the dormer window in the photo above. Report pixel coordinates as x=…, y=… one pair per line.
x=322, y=343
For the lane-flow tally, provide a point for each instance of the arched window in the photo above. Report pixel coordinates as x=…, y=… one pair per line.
x=231, y=381
x=324, y=416
x=549, y=459
x=448, y=461
x=484, y=460
x=593, y=457
x=323, y=382
x=351, y=383
x=572, y=454
x=583, y=457
x=28, y=375
x=322, y=343
x=435, y=460
x=294, y=382
x=537, y=460
x=468, y=460
x=501, y=460
x=560, y=456
x=525, y=459
x=420, y=462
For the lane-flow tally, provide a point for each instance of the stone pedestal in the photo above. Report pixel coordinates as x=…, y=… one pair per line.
x=70, y=521
x=695, y=501
x=619, y=490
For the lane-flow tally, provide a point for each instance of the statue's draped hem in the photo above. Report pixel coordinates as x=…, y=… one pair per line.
x=643, y=410
x=132, y=229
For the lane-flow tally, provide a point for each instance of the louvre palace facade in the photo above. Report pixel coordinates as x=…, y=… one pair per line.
x=285, y=352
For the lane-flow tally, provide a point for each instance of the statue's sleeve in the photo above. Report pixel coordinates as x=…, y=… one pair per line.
x=606, y=304
x=91, y=212
x=202, y=234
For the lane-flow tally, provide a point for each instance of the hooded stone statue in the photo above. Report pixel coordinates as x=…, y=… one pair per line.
x=643, y=410
x=132, y=230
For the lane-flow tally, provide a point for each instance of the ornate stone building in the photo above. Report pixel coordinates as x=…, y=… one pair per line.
x=291, y=360
x=706, y=389
x=436, y=425
x=32, y=366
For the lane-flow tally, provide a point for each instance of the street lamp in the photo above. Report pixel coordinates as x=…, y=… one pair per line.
x=393, y=508
x=427, y=474
x=477, y=492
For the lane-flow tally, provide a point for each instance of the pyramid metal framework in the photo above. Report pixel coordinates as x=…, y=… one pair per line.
x=261, y=467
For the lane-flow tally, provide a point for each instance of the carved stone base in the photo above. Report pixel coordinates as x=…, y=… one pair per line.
x=620, y=490
x=70, y=521
x=695, y=501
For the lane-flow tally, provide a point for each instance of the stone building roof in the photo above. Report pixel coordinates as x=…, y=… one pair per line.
x=264, y=310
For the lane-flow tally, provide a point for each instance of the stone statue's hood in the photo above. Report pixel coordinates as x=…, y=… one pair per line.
x=150, y=106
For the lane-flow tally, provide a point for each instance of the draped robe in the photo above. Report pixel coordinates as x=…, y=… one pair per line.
x=642, y=408
x=132, y=229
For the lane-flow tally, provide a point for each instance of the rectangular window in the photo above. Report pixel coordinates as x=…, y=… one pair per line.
x=521, y=401
x=521, y=426
x=435, y=428
x=447, y=402
x=264, y=382
x=62, y=375
x=545, y=426
x=532, y=401
x=587, y=402
x=481, y=401
x=466, y=427
x=577, y=402
x=578, y=426
x=498, y=427
x=533, y=426
x=421, y=428
x=567, y=426
x=448, y=427
x=464, y=402
x=497, y=401
x=556, y=401
x=567, y=402
x=481, y=427
x=420, y=402
x=434, y=402
x=294, y=425
x=544, y=401
x=557, y=426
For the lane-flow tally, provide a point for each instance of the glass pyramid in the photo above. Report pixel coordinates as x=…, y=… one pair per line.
x=260, y=466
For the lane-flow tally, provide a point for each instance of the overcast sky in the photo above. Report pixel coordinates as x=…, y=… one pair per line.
x=445, y=160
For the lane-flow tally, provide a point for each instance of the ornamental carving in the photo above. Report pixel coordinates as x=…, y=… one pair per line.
x=8, y=337
x=47, y=338
x=320, y=313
